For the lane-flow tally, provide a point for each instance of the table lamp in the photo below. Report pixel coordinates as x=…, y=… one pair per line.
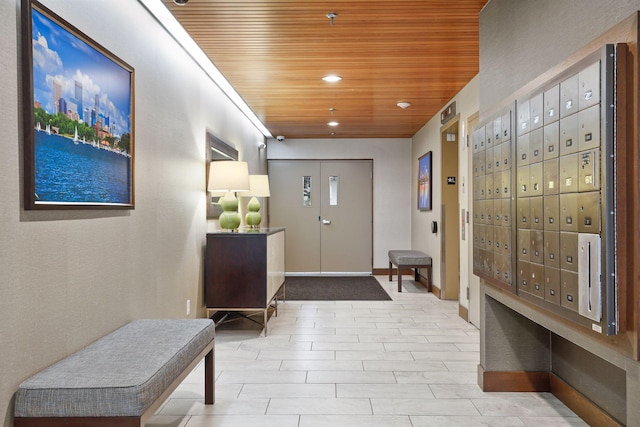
x=259, y=187
x=231, y=177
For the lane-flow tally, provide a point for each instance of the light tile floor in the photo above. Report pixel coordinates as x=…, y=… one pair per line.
x=407, y=362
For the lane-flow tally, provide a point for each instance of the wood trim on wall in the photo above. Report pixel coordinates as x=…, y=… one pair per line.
x=463, y=312
x=578, y=403
x=520, y=381
x=513, y=381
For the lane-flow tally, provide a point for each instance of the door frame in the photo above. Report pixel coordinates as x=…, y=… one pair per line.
x=450, y=204
x=345, y=160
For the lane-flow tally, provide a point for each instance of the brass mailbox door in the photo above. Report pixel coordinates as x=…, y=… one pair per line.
x=589, y=212
x=506, y=184
x=497, y=212
x=476, y=137
x=524, y=245
x=569, y=290
x=497, y=158
x=589, y=86
x=505, y=122
x=536, y=112
x=488, y=263
x=552, y=249
x=552, y=285
x=490, y=233
x=488, y=160
x=506, y=156
x=551, y=213
x=523, y=277
x=522, y=147
x=569, y=96
x=506, y=240
x=523, y=118
x=497, y=130
x=481, y=235
x=536, y=145
x=537, y=279
x=569, y=251
x=481, y=138
x=551, y=174
x=523, y=181
x=488, y=136
x=524, y=212
x=551, y=140
x=488, y=184
x=569, y=212
x=537, y=246
x=551, y=100
x=569, y=135
x=506, y=212
x=536, y=214
x=569, y=173
x=536, y=179
x=589, y=128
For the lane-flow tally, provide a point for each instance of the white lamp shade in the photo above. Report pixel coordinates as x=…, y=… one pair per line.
x=228, y=176
x=259, y=186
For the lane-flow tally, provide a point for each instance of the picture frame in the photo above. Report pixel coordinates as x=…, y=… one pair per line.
x=78, y=125
x=425, y=182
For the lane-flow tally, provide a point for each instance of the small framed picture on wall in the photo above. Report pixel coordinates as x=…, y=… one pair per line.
x=424, y=182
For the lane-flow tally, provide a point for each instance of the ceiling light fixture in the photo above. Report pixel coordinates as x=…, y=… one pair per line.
x=331, y=16
x=332, y=78
x=333, y=123
x=404, y=104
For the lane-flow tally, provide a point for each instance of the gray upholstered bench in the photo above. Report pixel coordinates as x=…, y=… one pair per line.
x=409, y=259
x=121, y=379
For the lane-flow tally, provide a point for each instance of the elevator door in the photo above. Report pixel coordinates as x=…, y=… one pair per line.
x=327, y=209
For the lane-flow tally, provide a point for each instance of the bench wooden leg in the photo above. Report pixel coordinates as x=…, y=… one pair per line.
x=399, y=279
x=390, y=271
x=209, y=378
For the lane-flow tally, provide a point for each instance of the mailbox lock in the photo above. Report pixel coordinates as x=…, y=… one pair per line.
x=552, y=292
x=570, y=298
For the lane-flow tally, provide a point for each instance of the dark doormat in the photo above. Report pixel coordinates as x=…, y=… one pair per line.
x=329, y=288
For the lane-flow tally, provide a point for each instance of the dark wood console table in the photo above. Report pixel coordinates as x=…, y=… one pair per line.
x=244, y=271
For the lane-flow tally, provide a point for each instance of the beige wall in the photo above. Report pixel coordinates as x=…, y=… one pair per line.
x=67, y=278
x=391, y=182
x=428, y=139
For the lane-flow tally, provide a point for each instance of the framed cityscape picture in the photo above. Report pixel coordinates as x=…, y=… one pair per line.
x=424, y=182
x=78, y=118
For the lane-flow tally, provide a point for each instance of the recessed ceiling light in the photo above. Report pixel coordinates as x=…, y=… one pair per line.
x=332, y=78
x=333, y=123
x=404, y=104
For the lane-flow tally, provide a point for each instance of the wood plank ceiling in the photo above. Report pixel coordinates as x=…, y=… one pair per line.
x=275, y=53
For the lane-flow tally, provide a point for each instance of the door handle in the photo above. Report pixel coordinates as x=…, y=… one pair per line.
x=326, y=222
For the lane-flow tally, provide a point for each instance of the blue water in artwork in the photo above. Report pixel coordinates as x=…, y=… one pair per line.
x=67, y=172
